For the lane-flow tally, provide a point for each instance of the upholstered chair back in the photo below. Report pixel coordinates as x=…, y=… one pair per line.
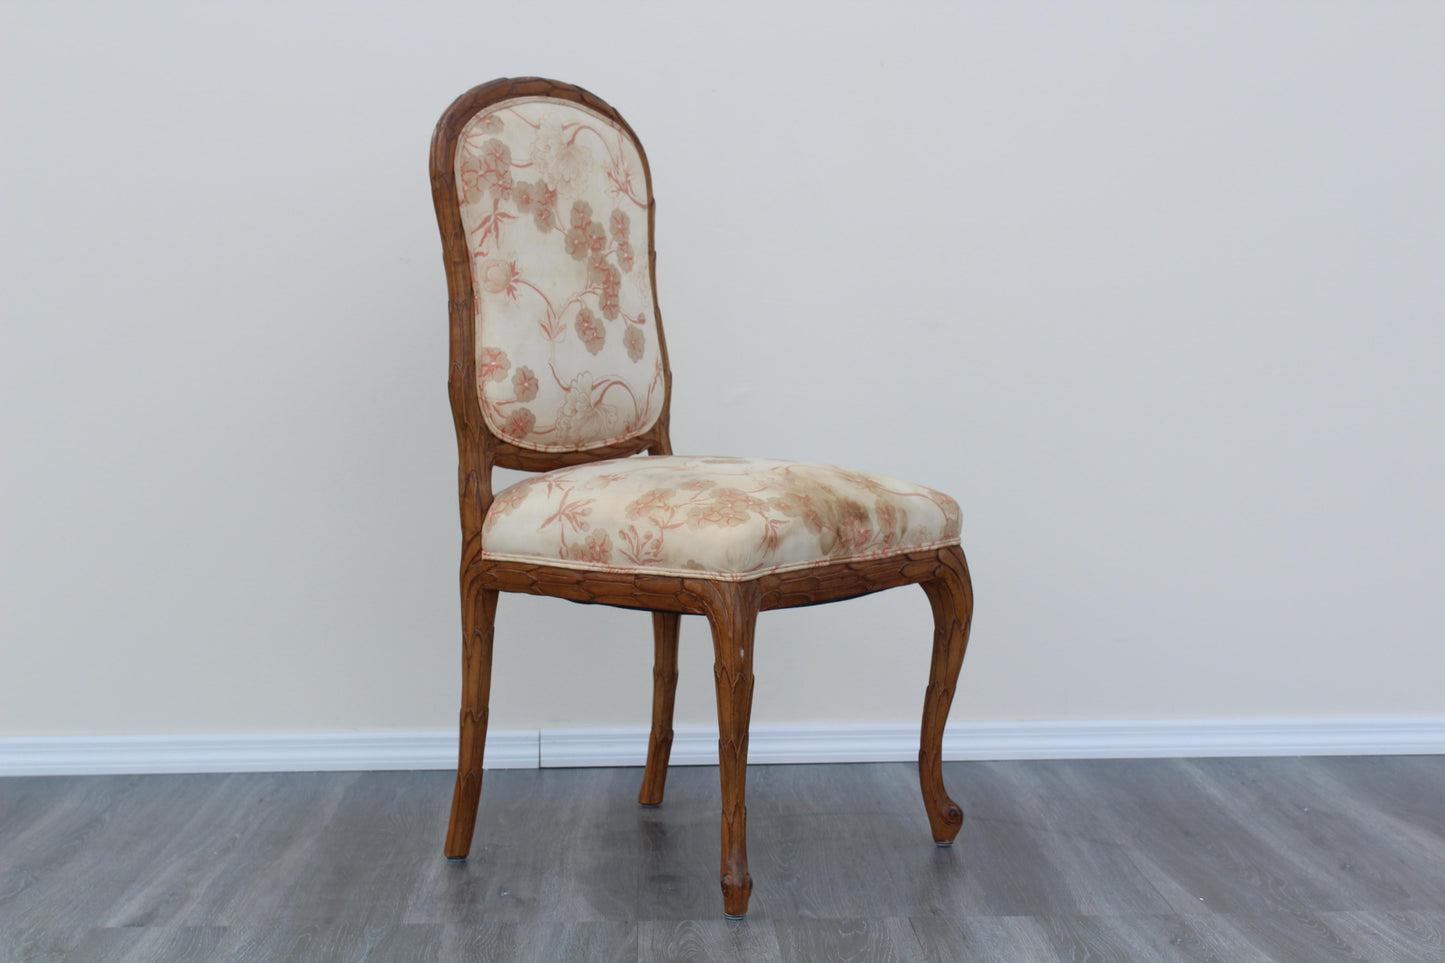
x=554, y=200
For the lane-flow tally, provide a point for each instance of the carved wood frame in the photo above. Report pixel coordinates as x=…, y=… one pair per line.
x=731, y=607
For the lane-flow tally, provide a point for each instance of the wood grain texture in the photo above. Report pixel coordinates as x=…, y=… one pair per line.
x=1120, y=939
x=1064, y=865
x=150, y=944
x=676, y=849
x=708, y=941
x=671, y=593
x=1024, y=817
x=666, y=627
x=730, y=605
x=554, y=844
x=1329, y=829
x=265, y=826
x=1406, y=937
x=951, y=594
x=1209, y=839
x=479, y=616
x=732, y=611
x=848, y=941
x=102, y=835
x=606, y=941
x=340, y=880
x=1403, y=787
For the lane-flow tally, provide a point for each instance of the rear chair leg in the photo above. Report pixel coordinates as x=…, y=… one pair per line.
x=479, y=614
x=665, y=626
x=951, y=594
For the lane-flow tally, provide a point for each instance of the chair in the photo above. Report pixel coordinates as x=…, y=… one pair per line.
x=558, y=366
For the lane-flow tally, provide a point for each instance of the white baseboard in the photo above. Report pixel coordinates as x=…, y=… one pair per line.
x=256, y=752
x=530, y=748
x=1015, y=740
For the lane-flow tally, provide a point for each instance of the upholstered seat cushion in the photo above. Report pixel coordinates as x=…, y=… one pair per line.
x=729, y=518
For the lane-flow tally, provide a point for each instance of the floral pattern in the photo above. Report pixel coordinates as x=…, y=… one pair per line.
x=554, y=202
x=729, y=518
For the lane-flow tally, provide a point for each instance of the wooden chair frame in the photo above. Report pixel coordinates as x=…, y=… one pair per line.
x=731, y=607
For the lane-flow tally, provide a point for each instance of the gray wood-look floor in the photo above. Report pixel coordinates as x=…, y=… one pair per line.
x=1132, y=860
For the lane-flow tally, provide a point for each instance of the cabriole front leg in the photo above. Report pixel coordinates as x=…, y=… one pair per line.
x=479, y=614
x=732, y=610
x=951, y=595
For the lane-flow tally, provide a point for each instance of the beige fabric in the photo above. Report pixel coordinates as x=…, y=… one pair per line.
x=732, y=518
x=554, y=203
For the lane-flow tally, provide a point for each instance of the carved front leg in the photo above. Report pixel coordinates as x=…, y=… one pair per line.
x=732, y=610
x=665, y=626
x=951, y=594
x=479, y=613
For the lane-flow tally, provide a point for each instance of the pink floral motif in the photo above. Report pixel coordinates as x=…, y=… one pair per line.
x=575, y=175
x=888, y=519
x=491, y=172
x=505, y=503
x=599, y=481
x=590, y=330
x=499, y=277
x=728, y=506
x=597, y=549
x=570, y=514
x=519, y=423
x=586, y=235
x=723, y=516
x=611, y=290
x=539, y=200
x=488, y=229
x=597, y=268
x=582, y=416
x=620, y=182
x=488, y=124
x=640, y=548
x=470, y=175
x=546, y=213
x=728, y=516
x=581, y=214
x=799, y=506
x=853, y=533
x=494, y=365
x=561, y=158
x=583, y=237
x=576, y=241
x=634, y=341
x=524, y=384
x=650, y=504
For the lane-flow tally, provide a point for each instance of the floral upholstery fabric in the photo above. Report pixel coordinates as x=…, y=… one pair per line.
x=729, y=518
x=554, y=204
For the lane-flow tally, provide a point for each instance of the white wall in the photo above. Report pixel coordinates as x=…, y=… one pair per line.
x=1154, y=289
